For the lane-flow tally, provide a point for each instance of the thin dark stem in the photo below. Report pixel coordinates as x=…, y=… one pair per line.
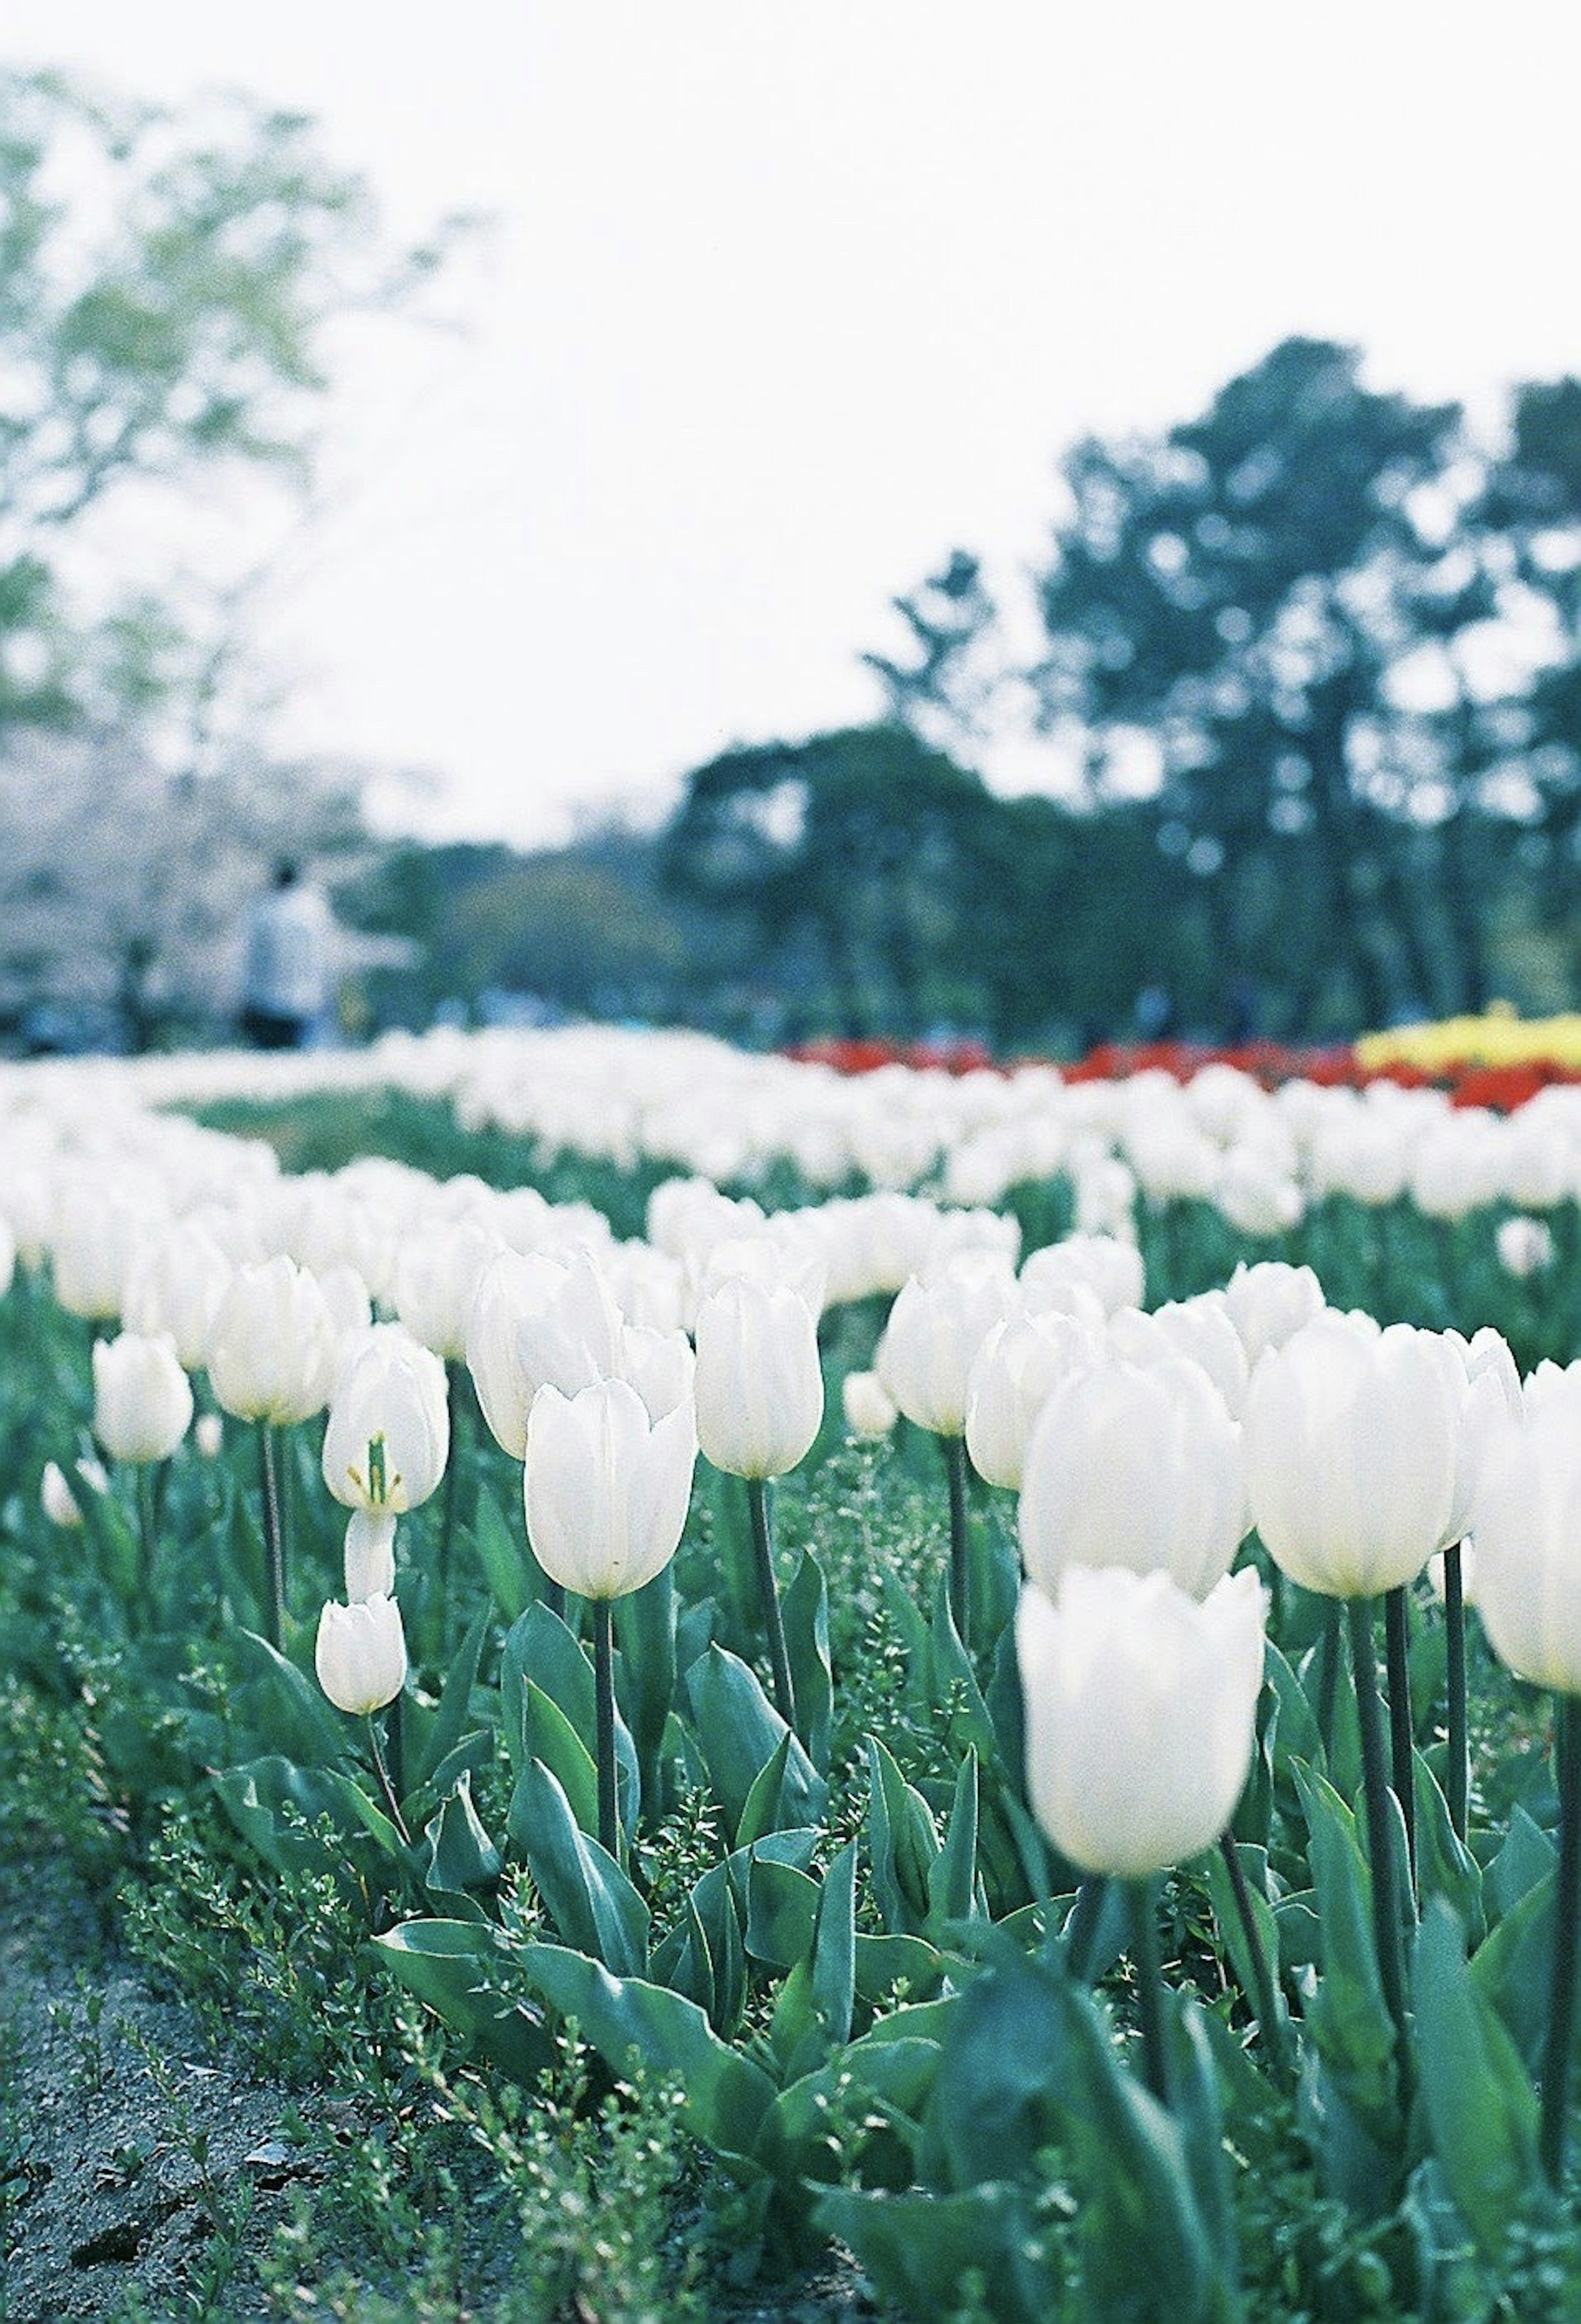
x=1457, y=1772
x=385, y=1785
x=1401, y=1730
x=395, y=1742
x=1264, y=1999
x=273, y=1536
x=1081, y=1927
x=1386, y=1928
x=785, y=1699
x=959, y=1564
x=603, y=1673
x=448, y=1507
x=147, y=1534
x=1330, y=1654
x=1561, y=2019
x=1149, y=1988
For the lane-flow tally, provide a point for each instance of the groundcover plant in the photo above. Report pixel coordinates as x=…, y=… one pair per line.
x=703, y=1661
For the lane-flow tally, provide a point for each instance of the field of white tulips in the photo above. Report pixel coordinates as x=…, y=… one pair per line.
x=642, y=1682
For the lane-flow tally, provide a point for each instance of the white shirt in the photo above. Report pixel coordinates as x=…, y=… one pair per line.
x=287, y=967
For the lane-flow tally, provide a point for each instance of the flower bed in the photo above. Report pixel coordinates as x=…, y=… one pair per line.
x=946, y=1672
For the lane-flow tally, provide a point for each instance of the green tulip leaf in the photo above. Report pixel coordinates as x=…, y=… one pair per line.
x=645, y=1672
x=1527, y=1858
x=1481, y=2110
x=834, y=1946
x=739, y=1731
x=594, y=1906
x=457, y=1967
x=934, y=2255
x=630, y=2021
x=782, y=1913
x=953, y=1886
x=1445, y=1866
x=1232, y=1933
x=503, y=1557
x=551, y=1738
x=459, y=1854
x=805, y=1612
x=1511, y=1969
x=903, y=1845
x=284, y=1708
x=432, y=1733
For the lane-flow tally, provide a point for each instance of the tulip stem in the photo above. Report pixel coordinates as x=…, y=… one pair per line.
x=147, y=1534
x=960, y=1544
x=385, y=1785
x=1561, y=2017
x=448, y=1507
x=1264, y=1997
x=1329, y=1652
x=785, y=1699
x=1386, y=1928
x=1081, y=1925
x=1402, y=1734
x=273, y=1536
x=1457, y=1772
x=1149, y=1987
x=603, y=1673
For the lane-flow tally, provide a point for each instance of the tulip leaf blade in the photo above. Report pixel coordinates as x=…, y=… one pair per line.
x=903, y=1844
x=834, y=1946
x=921, y=2249
x=503, y=1558
x=627, y=2019
x=782, y=1913
x=804, y=1610
x=1481, y=2109
x=432, y=1734
x=595, y=1908
x=739, y=1731
x=953, y=1873
x=282, y=1703
x=452, y=1965
x=552, y=1738
x=459, y=1854
x=1445, y=1866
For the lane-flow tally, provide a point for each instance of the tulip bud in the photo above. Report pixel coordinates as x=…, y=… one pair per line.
x=359, y=1655
x=1352, y=1453
x=606, y=1488
x=1268, y=1301
x=937, y=1325
x=1014, y=1372
x=869, y=1408
x=1525, y=1246
x=388, y=1435
x=1526, y=1523
x=142, y=1399
x=759, y=1385
x=537, y=1322
x=208, y=1434
x=272, y=1355
x=1133, y=1467
x=56, y=1498
x=1141, y=1714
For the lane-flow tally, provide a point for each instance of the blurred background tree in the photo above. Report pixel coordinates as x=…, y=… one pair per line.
x=1331, y=636
x=168, y=286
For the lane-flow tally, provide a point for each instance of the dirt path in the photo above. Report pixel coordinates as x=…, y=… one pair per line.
x=129, y=2157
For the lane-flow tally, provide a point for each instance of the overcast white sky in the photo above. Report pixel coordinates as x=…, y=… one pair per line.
x=785, y=300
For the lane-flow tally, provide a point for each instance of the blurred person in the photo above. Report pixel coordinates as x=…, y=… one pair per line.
x=286, y=964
